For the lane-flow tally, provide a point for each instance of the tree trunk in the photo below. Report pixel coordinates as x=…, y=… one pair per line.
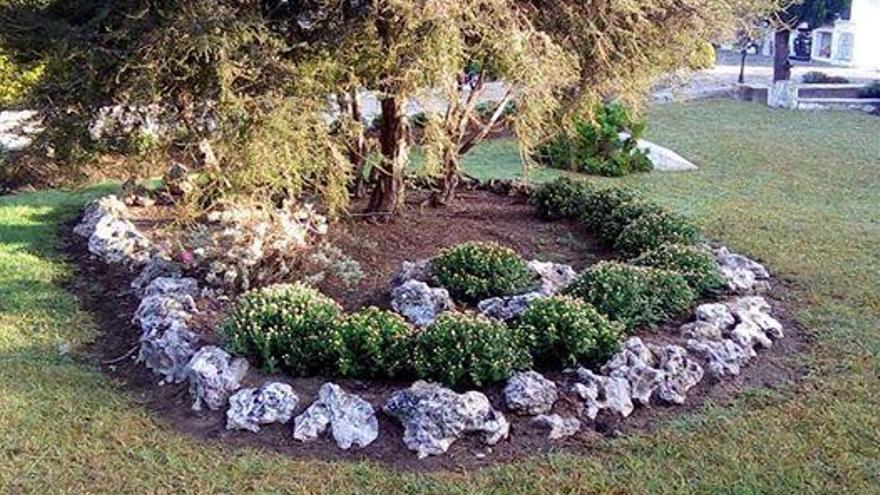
x=388, y=190
x=451, y=178
x=357, y=152
x=742, y=66
x=781, y=65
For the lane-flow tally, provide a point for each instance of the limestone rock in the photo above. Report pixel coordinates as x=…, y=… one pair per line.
x=680, y=372
x=560, y=427
x=724, y=357
x=108, y=206
x=118, y=241
x=756, y=309
x=530, y=393
x=213, y=376
x=419, y=270
x=434, y=417
x=176, y=287
x=167, y=348
x=420, y=304
x=701, y=330
x=603, y=392
x=716, y=314
x=644, y=381
x=157, y=266
x=554, y=276
x=507, y=308
x=749, y=336
x=633, y=353
x=351, y=419
x=743, y=275
x=251, y=408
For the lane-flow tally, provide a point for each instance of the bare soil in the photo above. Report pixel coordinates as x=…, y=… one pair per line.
x=380, y=248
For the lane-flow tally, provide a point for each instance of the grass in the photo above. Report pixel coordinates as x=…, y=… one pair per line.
x=798, y=190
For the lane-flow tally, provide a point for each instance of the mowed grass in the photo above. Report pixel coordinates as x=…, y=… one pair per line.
x=799, y=191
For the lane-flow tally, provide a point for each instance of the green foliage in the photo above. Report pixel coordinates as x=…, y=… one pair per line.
x=632, y=295
x=288, y=326
x=16, y=79
x=694, y=263
x=652, y=230
x=603, y=203
x=474, y=271
x=462, y=350
x=871, y=91
x=616, y=221
x=374, y=344
x=597, y=145
x=561, y=198
x=819, y=77
x=702, y=57
x=564, y=331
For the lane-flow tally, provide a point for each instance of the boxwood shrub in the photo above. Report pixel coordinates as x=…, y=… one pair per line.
x=374, y=344
x=285, y=326
x=463, y=350
x=474, y=271
x=562, y=198
x=633, y=295
x=564, y=331
x=696, y=264
x=602, y=203
x=619, y=218
x=652, y=230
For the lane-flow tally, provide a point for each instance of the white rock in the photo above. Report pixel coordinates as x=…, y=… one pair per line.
x=664, y=159
x=117, y=240
x=351, y=419
x=529, y=392
x=251, y=408
x=554, y=276
x=749, y=336
x=213, y=376
x=700, y=330
x=167, y=348
x=604, y=392
x=724, y=357
x=157, y=266
x=743, y=275
x=420, y=304
x=680, y=372
x=107, y=206
x=644, y=381
x=180, y=288
x=420, y=271
x=756, y=310
x=716, y=314
x=434, y=417
x=560, y=427
x=507, y=308
x=18, y=129
x=633, y=353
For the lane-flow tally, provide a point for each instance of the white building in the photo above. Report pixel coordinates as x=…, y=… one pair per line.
x=852, y=41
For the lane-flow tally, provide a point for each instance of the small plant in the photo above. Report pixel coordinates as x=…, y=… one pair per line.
x=652, y=230
x=287, y=326
x=561, y=198
x=870, y=91
x=626, y=213
x=632, y=295
x=374, y=344
x=601, y=204
x=462, y=350
x=563, y=331
x=819, y=77
x=695, y=264
x=474, y=271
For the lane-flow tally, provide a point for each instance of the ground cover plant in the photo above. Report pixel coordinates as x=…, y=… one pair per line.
x=69, y=426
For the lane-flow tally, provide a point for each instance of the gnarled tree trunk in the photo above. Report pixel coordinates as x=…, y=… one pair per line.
x=388, y=190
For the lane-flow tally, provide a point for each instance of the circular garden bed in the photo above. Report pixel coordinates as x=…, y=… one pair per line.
x=449, y=340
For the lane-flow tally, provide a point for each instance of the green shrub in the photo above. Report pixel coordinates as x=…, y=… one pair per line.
x=695, y=264
x=474, y=271
x=652, y=230
x=462, y=350
x=819, y=77
x=16, y=80
x=374, y=344
x=601, y=204
x=561, y=198
x=287, y=326
x=870, y=91
x=619, y=218
x=632, y=295
x=564, y=331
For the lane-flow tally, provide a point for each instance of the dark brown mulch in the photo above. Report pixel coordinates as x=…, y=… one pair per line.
x=103, y=291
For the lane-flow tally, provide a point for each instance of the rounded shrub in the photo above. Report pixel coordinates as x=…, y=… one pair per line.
x=561, y=198
x=652, y=230
x=463, y=350
x=564, y=331
x=618, y=219
x=695, y=264
x=633, y=295
x=285, y=326
x=374, y=344
x=474, y=271
x=600, y=204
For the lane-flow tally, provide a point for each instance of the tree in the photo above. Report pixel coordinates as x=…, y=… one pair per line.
x=815, y=13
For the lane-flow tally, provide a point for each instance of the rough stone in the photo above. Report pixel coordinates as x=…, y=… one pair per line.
x=167, y=348
x=107, y=206
x=118, y=241
x=507, y=308
x=644, y=381
x=419, y=271
x=351, y=419
x=251, y=408
x=700, y=330
x=603, y=392
x=157, y=266
x=529, y=392
x=680, y=372
x=749, y=336
x=419, y=303
x=181, y=288
x=743, y=275
x=756, y=309
x=724, y=357
x=213, y=376
x=560, y=427
x=633, y=353
x=434, y=417
x=716, y=314
x=554, y=276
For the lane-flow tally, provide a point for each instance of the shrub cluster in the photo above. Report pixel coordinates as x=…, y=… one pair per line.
x=633, y=295
x=562, y=198
x=474, y=271
x=603, y=145
x=819, y=77
x=651, y=230
x=374, y=344
x=695, y=264
x=461, y=350
x=566, y=331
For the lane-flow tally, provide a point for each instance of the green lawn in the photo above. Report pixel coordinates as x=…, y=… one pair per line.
x=800, y=191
